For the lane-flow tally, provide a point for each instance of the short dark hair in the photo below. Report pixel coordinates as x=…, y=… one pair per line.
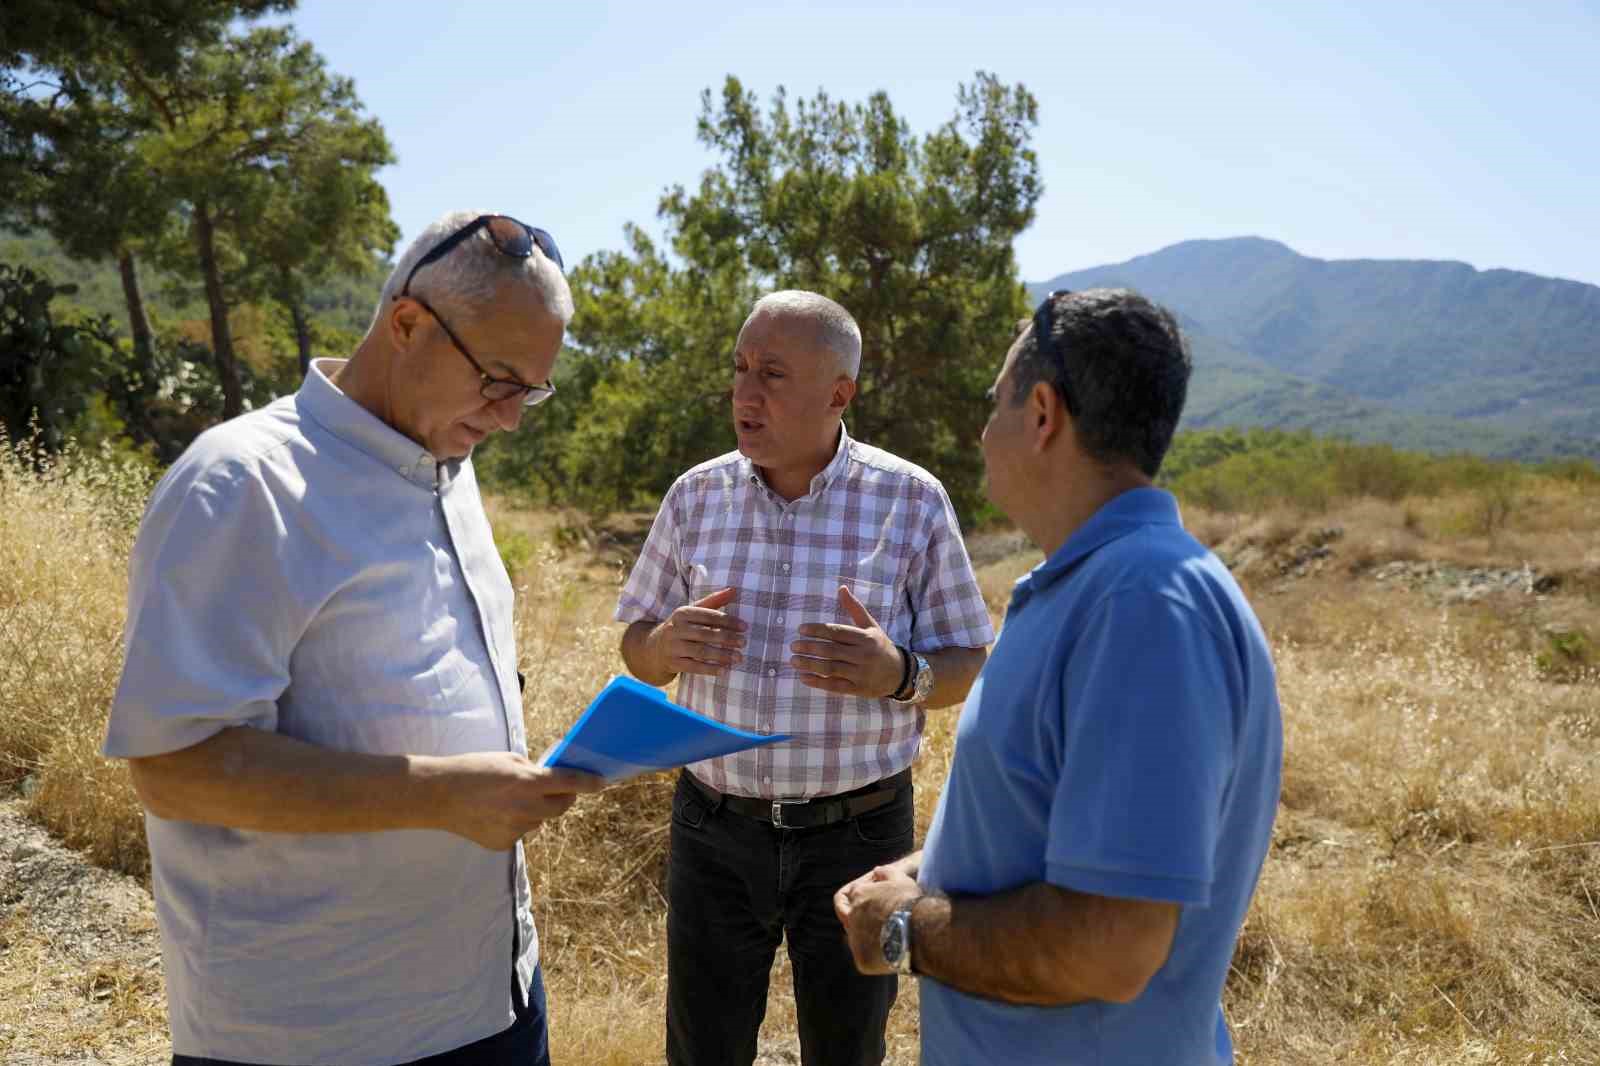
x=1121, y=367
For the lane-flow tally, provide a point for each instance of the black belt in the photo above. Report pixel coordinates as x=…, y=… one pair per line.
x=811, y=813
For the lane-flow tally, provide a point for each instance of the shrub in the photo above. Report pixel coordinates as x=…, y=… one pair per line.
x=1567, y=655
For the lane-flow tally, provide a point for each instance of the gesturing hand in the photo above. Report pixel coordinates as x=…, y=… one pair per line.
x=855, y=660
x=700, y=637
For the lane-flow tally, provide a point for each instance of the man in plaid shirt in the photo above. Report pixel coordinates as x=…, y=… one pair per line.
x=813, y=585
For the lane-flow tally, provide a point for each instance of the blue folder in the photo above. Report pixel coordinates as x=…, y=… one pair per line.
x=632, y=728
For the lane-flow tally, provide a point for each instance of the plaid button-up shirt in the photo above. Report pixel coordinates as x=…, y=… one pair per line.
x=872, y=521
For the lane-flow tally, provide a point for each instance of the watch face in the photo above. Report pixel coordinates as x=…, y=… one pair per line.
x=894, y=939
x=924, y=682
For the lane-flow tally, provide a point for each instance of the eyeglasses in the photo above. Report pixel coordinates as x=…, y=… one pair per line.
x=510, y=237
x=1044, y=320
x=490, y=387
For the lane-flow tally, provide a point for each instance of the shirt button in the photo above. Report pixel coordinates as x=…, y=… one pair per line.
x=786, y=568
x=772, y=673
x=780, y=619
x=767, y=780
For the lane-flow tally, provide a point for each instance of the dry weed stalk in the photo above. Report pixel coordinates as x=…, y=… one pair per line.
x=1433, y=894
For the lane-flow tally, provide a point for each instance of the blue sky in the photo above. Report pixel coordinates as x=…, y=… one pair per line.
x=1411, y=130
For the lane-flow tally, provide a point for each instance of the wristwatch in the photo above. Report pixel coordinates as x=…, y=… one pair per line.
x=896, y=938
x=921, y=682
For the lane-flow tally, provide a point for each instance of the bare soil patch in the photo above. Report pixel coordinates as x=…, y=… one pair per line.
x=80, y=962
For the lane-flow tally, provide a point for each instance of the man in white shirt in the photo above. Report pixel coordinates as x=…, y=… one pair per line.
x=813, y=585
x=320, y=705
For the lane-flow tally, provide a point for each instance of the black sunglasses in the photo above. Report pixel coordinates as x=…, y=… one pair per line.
x=510, y=237
x=1044, y=320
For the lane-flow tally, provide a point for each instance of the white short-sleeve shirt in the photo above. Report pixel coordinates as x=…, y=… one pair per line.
x=306, y=569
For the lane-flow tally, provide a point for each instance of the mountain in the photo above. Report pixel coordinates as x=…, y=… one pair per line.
x=1425, y=354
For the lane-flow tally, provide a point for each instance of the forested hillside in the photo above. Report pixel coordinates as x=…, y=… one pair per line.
x=1419, y=354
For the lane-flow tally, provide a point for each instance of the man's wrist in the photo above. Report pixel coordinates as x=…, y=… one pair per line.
x=902, y=689
x=898, y=937
x=917, y=685
x=660, y=671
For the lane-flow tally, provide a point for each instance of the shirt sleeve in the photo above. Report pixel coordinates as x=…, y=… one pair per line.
x=211, y=623
x=1146, y=753
x=947, y=606
x=656, y=587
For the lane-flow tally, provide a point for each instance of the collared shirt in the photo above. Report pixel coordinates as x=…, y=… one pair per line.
x=1123, y=740
x=871, y=521
x=307, y=570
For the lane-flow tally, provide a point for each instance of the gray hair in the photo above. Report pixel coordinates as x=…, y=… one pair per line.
x=836, y=329
x=466, y=279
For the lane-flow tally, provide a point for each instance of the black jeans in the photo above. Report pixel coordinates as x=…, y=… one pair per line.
x=736, y=886
x=526, y=1042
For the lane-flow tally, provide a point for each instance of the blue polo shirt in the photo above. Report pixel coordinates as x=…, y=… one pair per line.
x=1124, y=739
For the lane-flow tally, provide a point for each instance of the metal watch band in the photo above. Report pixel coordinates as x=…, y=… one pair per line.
x=897, y=937
x=921, y=681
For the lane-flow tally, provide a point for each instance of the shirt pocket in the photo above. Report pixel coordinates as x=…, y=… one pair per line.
x=703, y=579
x=876, y=596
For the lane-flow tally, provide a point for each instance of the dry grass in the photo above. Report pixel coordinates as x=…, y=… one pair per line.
x=1432, y=896
x=66, y=527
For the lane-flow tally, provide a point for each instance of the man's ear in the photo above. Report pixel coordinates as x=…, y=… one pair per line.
x=844, y=390
x=404, y=318
x=1046, y=415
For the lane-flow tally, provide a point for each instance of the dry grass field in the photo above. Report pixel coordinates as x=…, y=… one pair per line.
x=1432, y=895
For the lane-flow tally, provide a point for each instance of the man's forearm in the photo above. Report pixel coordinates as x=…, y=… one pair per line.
x=1042, y=945
x=954, y=670
x=639, y=655
x=251, y=779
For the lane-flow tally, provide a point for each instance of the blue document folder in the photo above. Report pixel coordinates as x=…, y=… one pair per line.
x=632, y=728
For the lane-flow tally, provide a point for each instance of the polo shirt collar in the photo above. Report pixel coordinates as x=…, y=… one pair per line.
x=1119, y=516
x=824, y=478
x=336, y=412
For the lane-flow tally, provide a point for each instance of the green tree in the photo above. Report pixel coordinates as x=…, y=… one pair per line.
x=68, y=134
x=99, y=42
x=912, y=234
x=237, y=160
x=324, y=214
x=49, y=370
x=242, y=125
x=76, y=81
x=80, y=179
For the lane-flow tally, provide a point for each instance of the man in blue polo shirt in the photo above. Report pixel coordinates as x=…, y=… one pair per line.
x=1117, y=762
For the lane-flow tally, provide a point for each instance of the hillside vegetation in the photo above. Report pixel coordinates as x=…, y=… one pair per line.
x=1415, y=353
x=341, y=305
x=1433, y=891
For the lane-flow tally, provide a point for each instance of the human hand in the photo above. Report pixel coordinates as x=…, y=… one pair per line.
x=864, y=905
x=495, y=798
x=699, y=637
x=853, y=660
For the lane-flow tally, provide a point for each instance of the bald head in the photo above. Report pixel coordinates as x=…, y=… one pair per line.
x=832, y=327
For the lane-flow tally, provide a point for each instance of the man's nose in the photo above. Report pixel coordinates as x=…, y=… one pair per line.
x=746, y=390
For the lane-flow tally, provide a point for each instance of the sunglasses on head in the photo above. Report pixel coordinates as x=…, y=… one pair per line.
x=1044, y=320
x=510, y=236
x=513, y=238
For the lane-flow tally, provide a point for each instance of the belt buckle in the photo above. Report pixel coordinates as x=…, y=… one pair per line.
x=777, y=812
